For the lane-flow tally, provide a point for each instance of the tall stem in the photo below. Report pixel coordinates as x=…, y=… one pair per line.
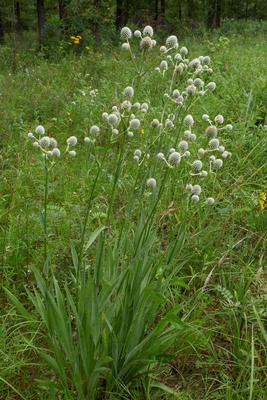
x=45, y=209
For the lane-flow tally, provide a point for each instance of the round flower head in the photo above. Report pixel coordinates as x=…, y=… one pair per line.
x=211, y=86
x=201, y=58
x=53, y=143
x=197, y=165
x=114, y=108
x=195, y=198
x=205, y=117
x=196, y=189
x=137, y=153
x=183, y=145
x=204, y=173
x=187, y=153
x=35, y=144
x=186, y=61
x=143, y=111
x=154, y=42
x=179, y=69
x=218, y=163
x=201, y=93
x=87, y=140
x=148, y=31
x=126, y=105
x=193, y=137
x=164, y=65
x=113, y=119
x=219, y=119
x=94, y=130
x=188, y=121
x=178, y=57
x=49, y=153
x=172, y=151
x=157, y=69
x=115, y=132
x=187, y=134
x=146, y=43
x=201, y=152
x=172, y=41
x=151, y=182
x=56, y=152
x=198, y=82
x=194, y=63
x=126, y=33
x=125, y=46
x=176, y=93
x=132, y=116
x=72, y=153
x=130, y=134
x=191, y=89
x=45, y=141
x=188, y=187
x=154, y=123
x=211, y=131
x=160, y=156
x=128, y=91
x=137, y=106
x=135, y=123
x=40, y=130
x=264, y=127
x=145, y=106
x=210, y=201
x=212, y=158
x=105, y=115
x=169, y=124
x=190, y=81
x=136, y=158
x=210, y=70
x=214, y=144
x=72, y=141
x=221, y=149
x=137, y=34
x=206, y=60
x=180, y=99
x=175, y=158
x=30, y=135
x=162, y=49
x=225, y=154
x=229, y=127
x=183, y=51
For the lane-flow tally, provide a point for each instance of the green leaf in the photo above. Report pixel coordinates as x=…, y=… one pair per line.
x=156, y=296
x=40, y=282
x=42, y=221
x=178, y=282
x=17, y=304
x=94, y=236
x=46, y=266
x=165, y=388
x=178, y=242
x=74, y=257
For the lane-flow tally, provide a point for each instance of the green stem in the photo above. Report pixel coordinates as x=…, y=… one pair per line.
x=45, y=209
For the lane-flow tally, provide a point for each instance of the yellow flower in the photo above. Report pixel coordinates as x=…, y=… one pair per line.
x=142, y=131
x=262, y=204
x=75, y=41
x=68, y=113
x=263, y=196
x=69, y=43
x=17, y=54
x=88, y=48
x=73, y=37
x=79, y=37
x=61, y=47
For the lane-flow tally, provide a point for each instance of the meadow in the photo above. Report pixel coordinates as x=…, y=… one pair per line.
x=133, y=217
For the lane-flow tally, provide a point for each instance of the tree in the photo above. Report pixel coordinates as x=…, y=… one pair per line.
x=41, y=19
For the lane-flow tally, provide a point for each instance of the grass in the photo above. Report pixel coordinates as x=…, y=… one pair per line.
x=203, y=281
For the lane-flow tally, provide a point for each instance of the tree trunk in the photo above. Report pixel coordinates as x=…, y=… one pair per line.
x=19, y=26
x=119, y=15
x=41, y=19
x=162, y=9
x=156, y=10
x=2, y=32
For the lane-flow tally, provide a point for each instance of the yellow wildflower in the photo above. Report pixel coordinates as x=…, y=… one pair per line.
x=68, y=113
x=262, y=204
x=61, y=47
x=88, y=48
x=142, y=131
x=79, y=37
x=17, y=54
x=75, y=41
x=73, y=37
x=69, y=43
x=263, y=196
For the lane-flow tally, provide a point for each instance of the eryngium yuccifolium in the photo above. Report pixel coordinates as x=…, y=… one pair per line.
x=180, y=99
x=187, y=134
x=45, y=141
x=188, y=187
x=197, y=165
x=195, y=63
x=221, y=149
x=214, y=144
x=172, y=150
x=137, y=106
x=218, y=163
x=126, y=33
x=195, y=198
x=201, y=152
x=130, y=134
x=94, y=130
x=114, y=108
x=35, y=144
x=162, y=49
x=183, y=145
x=53, y=143
x=160, y=156
x=40, y=130
x=201, y=93
x=125, y=46
x=136, y=158
x=148, y=156
x=148, y=31
x=205, y=117
x=164, y=65
x=178, y=57
x=87, y=140
x=72, y=141
x=183, y=51
x=198, y=82
x=134, y=123
x=196, y=189
x=187, y=153
x=190, y=81
x=157, y=69
x=143, y=111
x=137, y=153
x=189, y=121
x=225, y=154
x=30, y=135
x=49, y=153
x=137, y=34
x=179, y=69
x=175, y=158
x=145, y=106
x=191, y=89
x=176, y=93
x=211, y=86
x=204, y=173
x=132, y=116
x=212, y=158
x=56, y=152
x=229, y=127
x=206, y=60
x=126, y=104
x=211, y=131
x=146, y=43
x=151, y=182
x=154, y=42
x=115, y=132
x=219, y=119
x=72, y=153
x=105, y=115
x=193, y=136
x=113, y=119
x=128, y=91
x=154, y=123
x=210, y=201
x=169, y=124
x=172, y=41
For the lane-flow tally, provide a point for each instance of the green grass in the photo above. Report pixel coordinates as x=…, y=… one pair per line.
x=206, y=290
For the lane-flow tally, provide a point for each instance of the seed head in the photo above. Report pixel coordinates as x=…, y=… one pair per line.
x=193, y=137
x=221, y=149
x=145, y=106
x=94, y=130
x=164, y=65
x=178, y=57
x=172, y=151
x=187, y=134
x=115, y=132
x=151, y=182
x=162, y=49
x=53, y=143
x=49, y=153
x=87, y=140
x=130, y=134
x=191, y=89
x=229, y=127
x=206, y=60
x=128, y=91
x=126, y=33
x=154, y=123
x=205, y=117
x=169, y=124
x=45, y=141
x=197, y=165
x=201, y=152
x=188, y=187
x=125, y=46
x=136, y=158
x=105, y=115
x=35, y=144
x=137, y=106
x=204, y=173
x=148, y=31
x=195, y=198
x=179, y=69
x=138, y=153
x=113, y=119
x=198, y=83
x=72, y=141
x=40, y=130
x=212, y=158
x=195, y=63
x=187, y=153
x=160, y=156
x=211, y=131
x=176, y=93
x=175, y=158
x=126, y=105
x=30, y=135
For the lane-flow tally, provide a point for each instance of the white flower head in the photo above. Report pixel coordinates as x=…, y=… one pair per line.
x=219, y=119
x=229, y=127
x=162, y=49
x=218, y=163
x=115, y=132
x=137, y=34
x=87, y=139
x=40, y=130
x=201, y=152
x=214, y=144
x=164, y=65
x=210, y=201
x=113, y=119
x=72, y=153
x=53, y=143
x=135, y=123
x=195, y=198
x=183, y=51
x=30, y=135
x=56, y=152
x=160, y=156
x=183, y=145
x=205, y=117
x=172, y=41
x=211, y=86
x=45, y=141
x=151, y=182
x=175, y=158
x=125, y=46
x=35, y=144
x=145, y=106
x=148, y=31
x=189, y=121
x=72, y=141
x=196, y=189
x=94, y=130
x=197, y=165
x=146, y=43
x=154, y=123
x=138, y=153
x=176, y=93
x=126, y=33
x=128, y=91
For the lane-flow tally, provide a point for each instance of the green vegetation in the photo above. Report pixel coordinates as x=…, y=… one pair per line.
x=119, y=280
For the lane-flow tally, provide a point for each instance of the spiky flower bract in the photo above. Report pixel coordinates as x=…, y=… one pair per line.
x=128, y=91
x=211, y=131
x=148, y=31
x=189, y=121
x=126, y=33
x=40, y=130
x=151, y=182
x=175, y=158
x=94, y=130
x=45, y=141
x=197, y=165
x=146, y=43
